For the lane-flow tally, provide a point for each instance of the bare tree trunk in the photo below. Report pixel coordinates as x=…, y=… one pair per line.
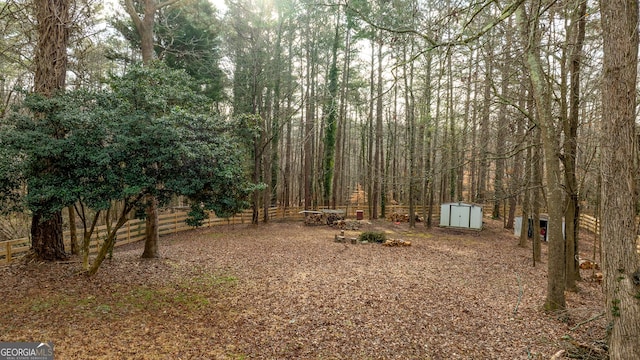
x=424, y=133
x=483, y=166
x=73, y=235
x=309, y=131
x=377, y=155
x=550, y=140
x=151, y=229
x=288, y=179
x=526, y=204
x=572, y=212
x=465, y=130
x=536, y=196
x=370, y=126
x=411, y=133
x=339, y=176
x=503, y=125
x=618, y=145
x=53, y=26
x=144, y=25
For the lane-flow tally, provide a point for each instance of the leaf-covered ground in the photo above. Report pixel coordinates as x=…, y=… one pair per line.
x=286, y=291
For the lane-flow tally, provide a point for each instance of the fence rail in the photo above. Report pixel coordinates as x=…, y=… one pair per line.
x=174, y=222
x=132, y=231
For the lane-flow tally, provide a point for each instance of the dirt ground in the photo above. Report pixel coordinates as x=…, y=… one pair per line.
x=287, y=291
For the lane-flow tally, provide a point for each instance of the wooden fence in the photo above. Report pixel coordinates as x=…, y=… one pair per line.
x=591, y=223
x=132, y=231
x=171, y=223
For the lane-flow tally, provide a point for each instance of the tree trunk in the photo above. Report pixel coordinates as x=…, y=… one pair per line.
x=503, y=126
x=338, y=178
x=331, y=113
x=144, y=26
x=410, y=111
x=151, y=229
x=73, y=235
x=53, y=21
x=309, y=132
x=46, y=237
x=621, y=264
x=370, y=126
x=483, y=166
x=550, y=141
x=465, y=130
x=536, y=197
x=377, y=155
x=572, y=212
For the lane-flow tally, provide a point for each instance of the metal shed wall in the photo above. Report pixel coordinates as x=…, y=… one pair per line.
x=461, y=215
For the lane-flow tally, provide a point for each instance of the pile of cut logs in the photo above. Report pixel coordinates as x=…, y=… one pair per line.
x=332, y=218
x=314, y=219
x=397, y=217
x=347, y=224
x=396, y=242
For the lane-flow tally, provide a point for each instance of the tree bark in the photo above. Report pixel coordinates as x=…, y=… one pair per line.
x=572, y=212
x=46, y=237
x=377, y=155
x=536, y=197
x=555, y=299
x=151, y=229
x=53, y=25
x=483, y=165
x=73, y=234
x=618, y=144
x=503, y=126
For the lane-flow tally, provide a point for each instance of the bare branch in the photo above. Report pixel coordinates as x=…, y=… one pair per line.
x=461, y=39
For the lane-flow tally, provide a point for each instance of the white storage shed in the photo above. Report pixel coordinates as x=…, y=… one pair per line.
x=461, y=215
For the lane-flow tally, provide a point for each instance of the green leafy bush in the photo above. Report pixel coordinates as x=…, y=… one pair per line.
x=372, y=236
x=196, y=216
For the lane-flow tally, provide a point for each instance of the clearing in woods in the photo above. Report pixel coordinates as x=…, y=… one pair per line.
x=287, y=291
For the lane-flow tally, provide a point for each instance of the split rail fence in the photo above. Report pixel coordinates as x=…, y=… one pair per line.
x=174, y=222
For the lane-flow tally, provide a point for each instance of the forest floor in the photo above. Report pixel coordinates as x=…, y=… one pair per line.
x=287, y=291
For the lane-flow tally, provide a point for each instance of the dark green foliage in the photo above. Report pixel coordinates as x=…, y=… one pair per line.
x=149, y=134
x=196, y=216
x=372, y=237
x=186, y=37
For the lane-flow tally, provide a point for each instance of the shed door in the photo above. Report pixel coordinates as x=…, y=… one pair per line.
x=460, y=216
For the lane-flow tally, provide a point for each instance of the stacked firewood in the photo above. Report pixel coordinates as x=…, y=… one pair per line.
x=396, y=242
x=314, y=219
x=397, y=217
x=347, y=224
x=332, y=218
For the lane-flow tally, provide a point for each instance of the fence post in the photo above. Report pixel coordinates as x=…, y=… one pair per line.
x=175, y=222
x=8, y=252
